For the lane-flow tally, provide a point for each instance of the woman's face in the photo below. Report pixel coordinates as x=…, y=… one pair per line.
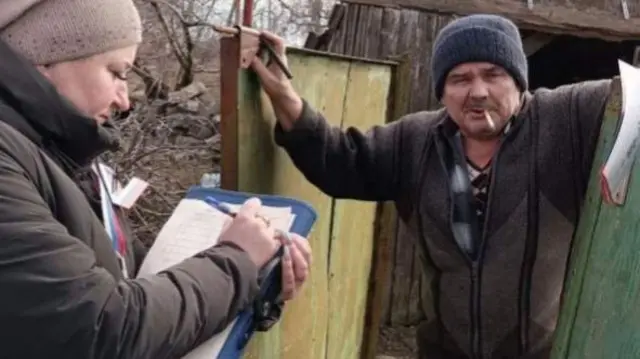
x=96, y=85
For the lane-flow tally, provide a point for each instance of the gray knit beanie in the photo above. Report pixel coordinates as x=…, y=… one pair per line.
x=479, y=38
x=51, y=31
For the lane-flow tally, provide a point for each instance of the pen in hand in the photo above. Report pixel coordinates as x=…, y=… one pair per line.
x=274, y=56
x=224, y=208
x=220, y=206
x=283, y=236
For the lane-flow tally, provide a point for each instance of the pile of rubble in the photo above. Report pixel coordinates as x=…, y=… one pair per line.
x=171, y=143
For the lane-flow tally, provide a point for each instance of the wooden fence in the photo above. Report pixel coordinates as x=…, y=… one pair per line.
x=327, y=319
x=406, y=36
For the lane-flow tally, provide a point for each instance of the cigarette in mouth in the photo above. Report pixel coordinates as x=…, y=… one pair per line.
x=490, y=120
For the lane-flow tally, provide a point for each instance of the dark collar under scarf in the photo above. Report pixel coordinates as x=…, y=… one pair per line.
x=31, y=104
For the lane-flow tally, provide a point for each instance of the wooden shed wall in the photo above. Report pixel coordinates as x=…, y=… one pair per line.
x=605, y=19
x=403, y=35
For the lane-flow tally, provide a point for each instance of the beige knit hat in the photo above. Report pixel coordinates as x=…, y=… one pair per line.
x=51, y=31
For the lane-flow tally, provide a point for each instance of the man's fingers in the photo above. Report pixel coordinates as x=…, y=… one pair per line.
x=300, y=265
x=288, y=276
x=263, y=72
x=303, y=246
x=275, y=40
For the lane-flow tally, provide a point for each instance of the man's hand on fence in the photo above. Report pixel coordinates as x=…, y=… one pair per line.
x=286, y=102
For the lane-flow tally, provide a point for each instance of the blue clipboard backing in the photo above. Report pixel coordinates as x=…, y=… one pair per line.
x=305, y=217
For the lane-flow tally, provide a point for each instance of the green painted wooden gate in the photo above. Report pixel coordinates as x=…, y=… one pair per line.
x=600, y=317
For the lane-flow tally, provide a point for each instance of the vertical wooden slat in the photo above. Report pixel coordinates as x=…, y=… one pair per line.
x=359, y=39
x=351, y=28
x=385, y=230
x=229, y=71
x=405, y=248
x=389, y=33
x=365, y=106
x=385, y=243
x=371, y=41
x=337, y=41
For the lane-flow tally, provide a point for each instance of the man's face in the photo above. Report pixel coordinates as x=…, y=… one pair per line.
x=472, y=88
x=96, y=85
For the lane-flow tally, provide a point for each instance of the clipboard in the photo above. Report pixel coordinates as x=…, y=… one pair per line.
x=238, y=334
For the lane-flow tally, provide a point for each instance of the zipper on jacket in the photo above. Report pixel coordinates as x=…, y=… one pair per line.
x=476, y=267
x=476, y=343
x=476, y=263
x=531, y=243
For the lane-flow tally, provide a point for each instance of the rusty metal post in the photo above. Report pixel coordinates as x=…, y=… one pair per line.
x=238, y=47
x=247, y=16
x=229, y=71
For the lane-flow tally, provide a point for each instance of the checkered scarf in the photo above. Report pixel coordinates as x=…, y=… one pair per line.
x=465, y=222
x=469, y=196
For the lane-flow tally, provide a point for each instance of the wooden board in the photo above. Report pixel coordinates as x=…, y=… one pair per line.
x=602, y=19
x=600, y=316
x=326, y=320
x=351, y=242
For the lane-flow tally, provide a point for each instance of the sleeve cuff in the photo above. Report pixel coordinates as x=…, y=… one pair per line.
x=304, y=127
x=240, y=257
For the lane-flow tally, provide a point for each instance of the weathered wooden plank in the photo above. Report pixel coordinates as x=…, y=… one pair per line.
x=404, y=247
x=339, y=36
x=402, y=277
x=386, y=226
x=601, y=309
x=371, y=41
x=229, y=59
x=267, y=169
x=351, y=30
x=353, y=235
x=390, y=32
x=361, y=34
x=586, y=18
x=420, y=48
x=414, y=306
x=380, y=280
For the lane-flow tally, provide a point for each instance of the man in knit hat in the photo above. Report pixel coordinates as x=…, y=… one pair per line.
x=67, y=287
x=471, y=182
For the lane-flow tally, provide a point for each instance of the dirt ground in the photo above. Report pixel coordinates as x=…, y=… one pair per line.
x=397, y=343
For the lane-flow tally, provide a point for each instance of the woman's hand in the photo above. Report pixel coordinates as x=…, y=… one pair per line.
x=252, y=233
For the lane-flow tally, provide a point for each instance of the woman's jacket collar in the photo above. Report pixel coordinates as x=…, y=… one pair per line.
x=45, y=116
